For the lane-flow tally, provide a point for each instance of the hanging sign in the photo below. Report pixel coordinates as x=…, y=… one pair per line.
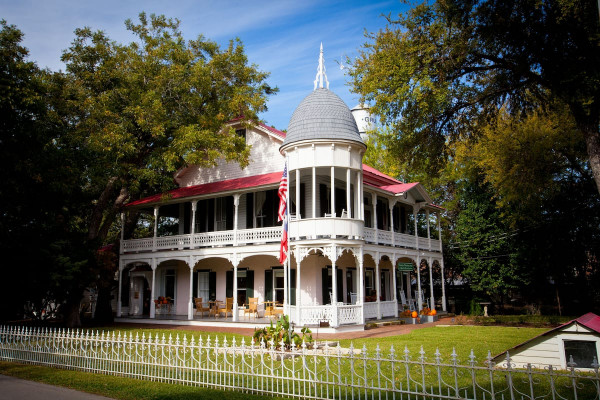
x=405, y=266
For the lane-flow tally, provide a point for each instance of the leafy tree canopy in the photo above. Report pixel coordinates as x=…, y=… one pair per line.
x=145, y=109
x=441, y=71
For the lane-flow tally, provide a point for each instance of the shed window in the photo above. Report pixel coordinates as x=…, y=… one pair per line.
x=582, y=351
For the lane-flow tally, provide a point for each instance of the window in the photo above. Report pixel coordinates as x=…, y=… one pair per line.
x=370, y=285
x=203, y=290
x=169, y=282
x=241, y=133
x=582, y=351
x=241, y=286
x=368, y=210
x=278, y=285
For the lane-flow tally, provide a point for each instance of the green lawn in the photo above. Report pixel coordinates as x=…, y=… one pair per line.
x=462, y=338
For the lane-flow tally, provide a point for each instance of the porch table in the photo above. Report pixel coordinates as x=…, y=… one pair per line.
x=214, y=307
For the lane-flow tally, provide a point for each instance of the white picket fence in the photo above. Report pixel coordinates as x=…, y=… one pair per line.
x=304, y=372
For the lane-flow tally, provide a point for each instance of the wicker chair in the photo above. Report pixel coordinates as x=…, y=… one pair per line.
x=252, y=306
x=228, y=307
x=200, y=307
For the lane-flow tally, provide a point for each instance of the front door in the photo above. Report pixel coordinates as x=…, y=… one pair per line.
x=136, y=302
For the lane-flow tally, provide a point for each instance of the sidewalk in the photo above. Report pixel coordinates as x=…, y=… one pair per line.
x=15, y=388
x=383, y=331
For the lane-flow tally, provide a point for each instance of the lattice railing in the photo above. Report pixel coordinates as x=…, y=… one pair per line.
x=301, y=372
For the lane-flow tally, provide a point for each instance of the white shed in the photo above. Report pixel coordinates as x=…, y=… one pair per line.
x=577, y=341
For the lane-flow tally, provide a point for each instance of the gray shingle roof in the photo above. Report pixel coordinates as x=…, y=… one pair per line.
x=322, y=115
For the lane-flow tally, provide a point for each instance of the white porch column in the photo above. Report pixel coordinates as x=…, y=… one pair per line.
x=361, y=197
x=361, y=286
x=298, y=291
x=121, y=251
x=392, y=205
x=152, y=290
x=348, y=197
x=236, y=206
x=286, y=283
x=420, y=293
x=298, y=199
x=378, y=285
x=235, y=287
x=374, y=201
x=191, y=299
x=155, y=228
x=395, y=287
x=428, y=230
x=442, y=263
x=332, y=197
x=314, y=192
x=119, y=305
x=431, y=297
x=193, y=227
x=334, y=287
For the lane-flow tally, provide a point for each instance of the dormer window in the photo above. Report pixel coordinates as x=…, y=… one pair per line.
x=241, y=133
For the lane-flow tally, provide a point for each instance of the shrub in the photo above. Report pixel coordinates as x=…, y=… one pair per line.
x=282, y=332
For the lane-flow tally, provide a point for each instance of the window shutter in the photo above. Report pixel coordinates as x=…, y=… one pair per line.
x=211, y=215
x=212, y=285
x=249, y=210
x=195, y=285
x=293, y=287
x=249, y=284
x=268, y=285
x=325, y=286
x=229, y=213
x=229, y=284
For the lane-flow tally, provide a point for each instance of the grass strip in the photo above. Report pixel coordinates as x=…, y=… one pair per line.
x=117, y=387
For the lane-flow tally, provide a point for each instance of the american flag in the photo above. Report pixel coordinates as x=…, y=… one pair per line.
x=282, y=216
x=283, y=189
x=283, y=250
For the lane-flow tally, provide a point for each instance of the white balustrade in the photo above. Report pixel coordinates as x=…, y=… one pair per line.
x=388, y=308
x=312, y=315
x=349, y=314
x=138, y=244
x=173, y=242
x=370, y=310
x=262, y=235
x=328, y=227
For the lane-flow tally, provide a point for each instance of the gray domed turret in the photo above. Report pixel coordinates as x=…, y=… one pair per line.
x=322, y=115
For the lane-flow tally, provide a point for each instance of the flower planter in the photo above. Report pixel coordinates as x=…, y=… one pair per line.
x=410, y=320
x=428, y=318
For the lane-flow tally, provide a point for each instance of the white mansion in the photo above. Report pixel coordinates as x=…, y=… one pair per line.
x=356, y=235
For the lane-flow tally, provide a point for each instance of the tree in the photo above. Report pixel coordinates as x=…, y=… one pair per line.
x=136, y=113
x=442, y=70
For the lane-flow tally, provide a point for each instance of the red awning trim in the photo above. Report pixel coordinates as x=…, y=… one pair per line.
x=211, y=188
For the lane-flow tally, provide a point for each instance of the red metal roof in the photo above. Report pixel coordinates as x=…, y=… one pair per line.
x=214, y=187
x=589, y=320
x=373, y=177
x=271, y=129
x=399, y=188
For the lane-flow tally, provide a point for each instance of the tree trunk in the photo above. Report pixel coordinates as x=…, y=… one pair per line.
x=98, y=213
x=592, y=141
x=71, y=313
x=104, y=312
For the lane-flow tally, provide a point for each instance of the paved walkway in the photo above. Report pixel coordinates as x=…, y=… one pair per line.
x=382, y=331
x=15, y=388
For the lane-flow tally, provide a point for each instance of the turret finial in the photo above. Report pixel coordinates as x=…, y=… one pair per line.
x=321, y=71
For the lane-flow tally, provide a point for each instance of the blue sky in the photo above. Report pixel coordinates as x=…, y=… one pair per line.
x=281, y=37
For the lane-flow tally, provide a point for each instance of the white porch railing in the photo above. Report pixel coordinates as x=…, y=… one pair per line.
x=300, y=372
x=312, y=228
x=370, y=310
x=388, y=308
x=305, y=228
x=312, y=315
x=218, y=238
